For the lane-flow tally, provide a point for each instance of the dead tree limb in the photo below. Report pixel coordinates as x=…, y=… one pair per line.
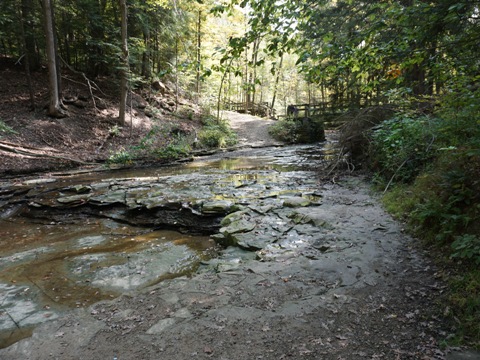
x=18, y=150
x=87, y=80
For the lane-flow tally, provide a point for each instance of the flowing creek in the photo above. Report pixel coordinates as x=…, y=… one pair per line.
x=72, y=241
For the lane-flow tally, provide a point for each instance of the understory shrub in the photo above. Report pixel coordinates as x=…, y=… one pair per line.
x=298, y=131
x=401, y=147
x=284, y=130
x=435, y=164
x=216, y=133
x=178, y=147
x=164, y=142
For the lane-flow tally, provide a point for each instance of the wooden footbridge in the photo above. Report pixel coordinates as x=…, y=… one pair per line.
x=329, y=113
x=262, y=109
x=328, y=110
x=312, y=110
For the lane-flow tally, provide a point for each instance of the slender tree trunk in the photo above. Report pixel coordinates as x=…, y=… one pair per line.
x=199, y=53
x=124, y=71
x=28, y=34
x=277, y=79
x=54, y=108
x=57, y=58
x=176, y=73
x=246, y=82
x=23, y=19
x=253, y=77
x=227, y=70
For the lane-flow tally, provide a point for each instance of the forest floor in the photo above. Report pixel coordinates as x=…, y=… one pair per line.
x=89, y=134
x=290, y=308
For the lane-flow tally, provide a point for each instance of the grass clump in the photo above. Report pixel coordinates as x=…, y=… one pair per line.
x=5, y=129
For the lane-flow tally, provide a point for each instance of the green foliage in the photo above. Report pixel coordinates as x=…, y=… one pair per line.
x=441, y=200
x=177, y=148
x=115, y=130
x=400, y=200
x=402, y=146
x=161, y=143
x=299, y=131
x=216, y=133
x=5, y=129
x=467, y=246
x=442, y=203
x=284, y=130
x=122, y=156
x=464, y=306
x=442, y=207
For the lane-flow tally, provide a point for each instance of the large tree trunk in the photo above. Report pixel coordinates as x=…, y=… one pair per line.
x=124, y=71
x=54, y=108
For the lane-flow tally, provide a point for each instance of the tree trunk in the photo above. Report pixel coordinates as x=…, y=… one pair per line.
x=28, y=34
x=124, y=70
x=199, y=53
x=219, y=98
x=54, y=108
x=28, y=57
x=176, y=73
x=277, y=79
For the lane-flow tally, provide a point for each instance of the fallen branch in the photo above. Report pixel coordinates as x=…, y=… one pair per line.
x=18, y=150
x=7, y=143
x=393, y=176
x=87, y=80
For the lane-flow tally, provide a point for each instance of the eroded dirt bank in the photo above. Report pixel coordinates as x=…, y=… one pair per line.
x=349, y=286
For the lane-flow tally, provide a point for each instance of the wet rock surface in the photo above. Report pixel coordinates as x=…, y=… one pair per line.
x=308, y=270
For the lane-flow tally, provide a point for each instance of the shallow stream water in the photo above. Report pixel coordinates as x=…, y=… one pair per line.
x=48, y=266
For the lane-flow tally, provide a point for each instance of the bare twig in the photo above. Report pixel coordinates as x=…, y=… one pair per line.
x=87, y=80
x=393, y=176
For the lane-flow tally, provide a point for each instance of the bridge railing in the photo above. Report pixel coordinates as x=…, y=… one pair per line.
x=262, y=109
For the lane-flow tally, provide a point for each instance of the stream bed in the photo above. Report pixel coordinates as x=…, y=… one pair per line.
x=72, y=241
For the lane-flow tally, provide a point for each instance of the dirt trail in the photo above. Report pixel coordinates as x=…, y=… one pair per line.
x=360, y=291
x=252, y=131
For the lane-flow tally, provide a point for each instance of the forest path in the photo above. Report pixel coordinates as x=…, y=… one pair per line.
x=252, y=131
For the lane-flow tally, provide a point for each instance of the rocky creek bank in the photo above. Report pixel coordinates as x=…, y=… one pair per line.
x=307, y=270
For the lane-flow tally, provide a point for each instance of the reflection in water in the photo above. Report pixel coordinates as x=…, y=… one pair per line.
x=47, y=268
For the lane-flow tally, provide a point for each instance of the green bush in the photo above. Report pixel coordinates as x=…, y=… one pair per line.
x=284, y=130
x=401, y=147
x=299, y=131
x=123, y=156
x=176, y=149
x=435, y=162
x=216, y=134
x=467, y=246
